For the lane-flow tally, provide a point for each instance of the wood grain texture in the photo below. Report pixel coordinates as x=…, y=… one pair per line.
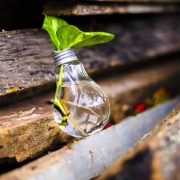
x=27, y=128
x=135, y=1
x=80, y=8
x=156, y=157
x=86, y=158
x=26, y=62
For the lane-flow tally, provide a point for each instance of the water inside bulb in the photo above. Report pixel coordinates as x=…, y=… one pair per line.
x=86, y=108
x=80, y=108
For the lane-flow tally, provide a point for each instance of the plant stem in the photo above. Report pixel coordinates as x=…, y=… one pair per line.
x=62, y=106
x=81, y=106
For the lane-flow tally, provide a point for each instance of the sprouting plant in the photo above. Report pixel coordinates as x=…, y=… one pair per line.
x=64, y=35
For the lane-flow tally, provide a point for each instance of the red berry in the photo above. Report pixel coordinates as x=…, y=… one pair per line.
x=139, y=107
x=107, y=126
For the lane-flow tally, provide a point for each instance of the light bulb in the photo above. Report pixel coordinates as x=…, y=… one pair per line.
x=81, y=108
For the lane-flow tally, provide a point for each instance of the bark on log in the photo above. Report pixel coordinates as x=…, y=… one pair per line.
x=157, y=157
x=26, y=62
x=27, y=128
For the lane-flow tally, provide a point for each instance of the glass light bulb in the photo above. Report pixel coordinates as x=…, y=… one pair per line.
x=81, y=107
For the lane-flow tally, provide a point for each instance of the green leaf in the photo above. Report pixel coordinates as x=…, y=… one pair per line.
x=71, y=36
x=65, y=36
x=68, y=35
x=93, y=38
x=51, y=25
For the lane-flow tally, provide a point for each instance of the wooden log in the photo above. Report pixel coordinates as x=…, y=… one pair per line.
x=156, y=157
x=27, y=128
x=85, y=159
x=27, y=66
x=63, y=8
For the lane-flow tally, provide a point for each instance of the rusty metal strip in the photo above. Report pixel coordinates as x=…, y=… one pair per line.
x=87, y=158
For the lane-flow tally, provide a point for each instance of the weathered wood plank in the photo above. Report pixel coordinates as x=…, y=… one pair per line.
x=25, y=63
x=134, y=1
x=63, y=8
x=129, y=88
x=27, y=128
x=27, y=67
x=156, y=158
x=87, y=158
